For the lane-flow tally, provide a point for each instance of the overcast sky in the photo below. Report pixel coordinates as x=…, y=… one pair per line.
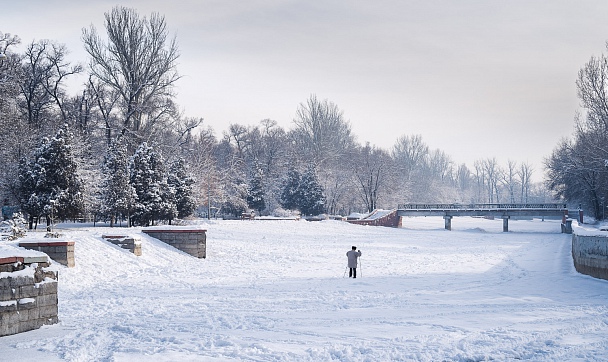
x=476, y=79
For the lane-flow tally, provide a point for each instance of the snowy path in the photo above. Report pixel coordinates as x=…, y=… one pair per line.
x=274, y=291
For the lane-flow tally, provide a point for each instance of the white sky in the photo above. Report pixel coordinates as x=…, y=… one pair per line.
x=476, y=79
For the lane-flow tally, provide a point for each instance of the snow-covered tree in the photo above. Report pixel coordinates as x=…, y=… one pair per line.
x=232, y=180
x=139, y=62
x=155, y=199
x=180, y=180
x=50, y=185
x=303, y=192
x=312, y=199
x=255, y=197
x=323, y=136
x=16, y=138
x=118, y=195
x=290, y=197
x=371, y=170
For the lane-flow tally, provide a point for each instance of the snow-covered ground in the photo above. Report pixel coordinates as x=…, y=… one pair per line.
x=275, y=291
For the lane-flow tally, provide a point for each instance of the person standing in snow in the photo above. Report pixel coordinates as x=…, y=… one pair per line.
x=352, y=261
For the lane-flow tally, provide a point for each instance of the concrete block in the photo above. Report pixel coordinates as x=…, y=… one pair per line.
x=29, y=325
x=26, y=303
x=9, y=323
x=27, y=291
x=50, y=320
x=10, y=317
x=48, y=311
x=47, y=287
x=24, y=315
x=7, y=293
x=34, y=313
x=47, y=300
x=16, y=282
x=8, y=306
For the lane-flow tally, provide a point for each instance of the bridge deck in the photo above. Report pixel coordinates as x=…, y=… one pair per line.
x=496, y=210
x=503, y=211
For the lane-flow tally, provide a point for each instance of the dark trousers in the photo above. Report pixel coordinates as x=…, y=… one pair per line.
x=352, y=273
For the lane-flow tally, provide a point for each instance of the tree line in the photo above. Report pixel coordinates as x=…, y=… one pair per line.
x=120, y=148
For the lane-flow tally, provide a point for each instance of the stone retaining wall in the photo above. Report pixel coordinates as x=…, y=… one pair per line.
x=126, y=242
x=191, y=241
x=28, y=295
x=590, y=254
x=61, y=252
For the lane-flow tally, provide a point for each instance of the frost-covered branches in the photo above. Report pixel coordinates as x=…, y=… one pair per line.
x=576, y=169
x=138, y=62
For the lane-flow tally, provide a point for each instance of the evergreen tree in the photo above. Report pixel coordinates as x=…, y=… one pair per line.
x=32, y=198
x=255, y=198
x=312, y=199
x=290, y=197
x=50, y=186
x=118, y=195
x=181, y=182
x=154, y=199
x=303, y=192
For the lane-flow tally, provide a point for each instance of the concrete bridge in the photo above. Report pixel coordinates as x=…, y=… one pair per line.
x=503, y=211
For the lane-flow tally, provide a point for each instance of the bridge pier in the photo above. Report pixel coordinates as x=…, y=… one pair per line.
x=448, y=222
x=505, y=224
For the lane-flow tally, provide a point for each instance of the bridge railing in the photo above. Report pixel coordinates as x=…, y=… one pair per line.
x=479, y=206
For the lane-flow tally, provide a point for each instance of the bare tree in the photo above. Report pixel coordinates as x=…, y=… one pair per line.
x=525, y=178
x=321, y=131
x=464, y=183
x=61, y=69
x=576, y=169
x=493, y=174
x=509, y=179
x=44, y=72
x=440, y=165
x=205, y=168
x=575, y=177
x=410, y=154
x=105, y=100
x=592, y=88
x=480, y=181
x=371, y=171
x=323, y=137
x=139, y=63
